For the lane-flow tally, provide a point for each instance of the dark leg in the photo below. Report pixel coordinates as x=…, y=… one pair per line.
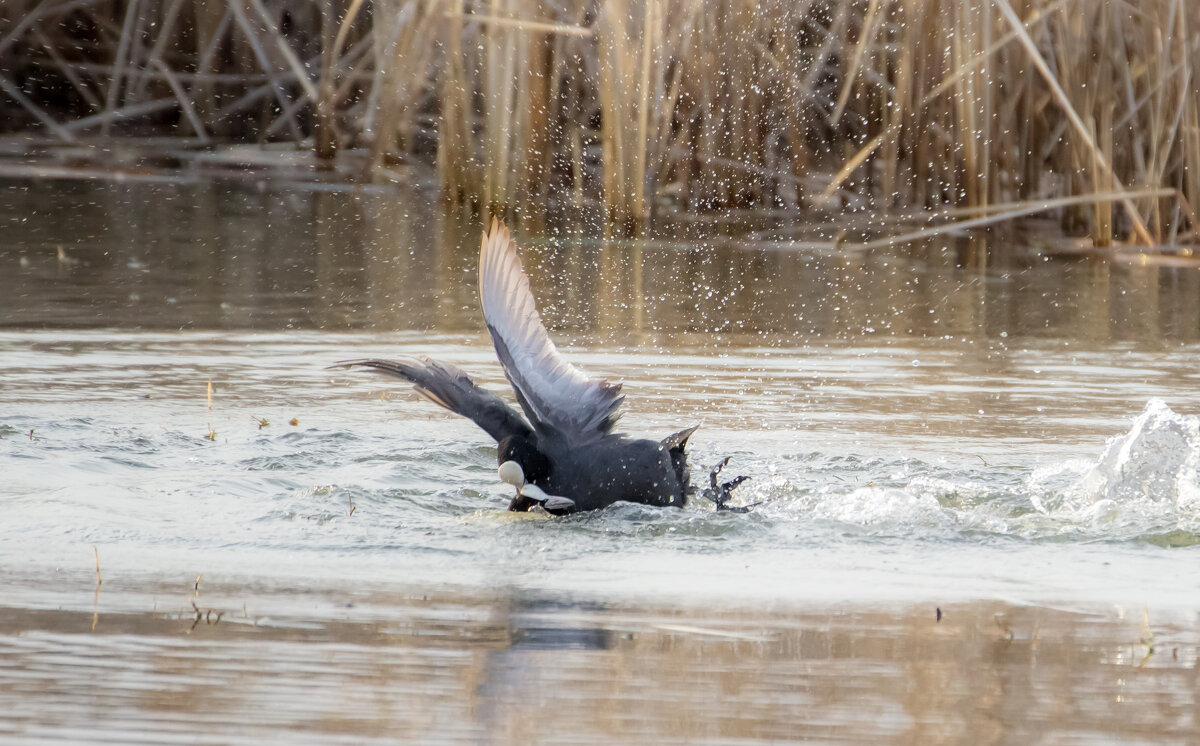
x=722, y=493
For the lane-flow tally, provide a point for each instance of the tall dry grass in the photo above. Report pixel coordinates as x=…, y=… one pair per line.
x=638, y=106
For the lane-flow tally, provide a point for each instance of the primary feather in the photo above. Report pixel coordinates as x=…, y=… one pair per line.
x=557, y=398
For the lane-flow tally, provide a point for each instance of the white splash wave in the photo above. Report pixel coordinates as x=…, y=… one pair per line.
x=1145, y=484
x=1147, y=477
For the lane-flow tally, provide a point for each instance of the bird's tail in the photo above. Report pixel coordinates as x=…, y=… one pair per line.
x=448, y=386
x=675, y=445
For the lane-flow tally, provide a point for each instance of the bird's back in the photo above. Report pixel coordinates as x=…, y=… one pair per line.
x=614, y=469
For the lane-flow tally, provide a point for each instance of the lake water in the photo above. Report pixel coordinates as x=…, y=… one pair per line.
x=315, y=556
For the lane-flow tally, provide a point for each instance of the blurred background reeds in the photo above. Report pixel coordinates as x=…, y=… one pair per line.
x=939, y=111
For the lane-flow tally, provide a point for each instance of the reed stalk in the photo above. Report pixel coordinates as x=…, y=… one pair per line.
x=835, y=106
x=403, y=51
x=504, y=82
x=455, y=159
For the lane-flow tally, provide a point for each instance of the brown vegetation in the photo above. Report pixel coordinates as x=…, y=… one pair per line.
x=643, y=105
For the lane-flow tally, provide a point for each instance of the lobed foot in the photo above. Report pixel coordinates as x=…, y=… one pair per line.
x=723, y=492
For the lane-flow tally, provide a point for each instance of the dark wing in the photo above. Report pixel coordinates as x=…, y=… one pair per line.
x=555, y=395
x=448, y=386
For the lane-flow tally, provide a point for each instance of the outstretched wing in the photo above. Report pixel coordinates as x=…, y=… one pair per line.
x=448, y=386
x=555, y=395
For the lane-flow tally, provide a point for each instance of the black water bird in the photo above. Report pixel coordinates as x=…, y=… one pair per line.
x=567, y=456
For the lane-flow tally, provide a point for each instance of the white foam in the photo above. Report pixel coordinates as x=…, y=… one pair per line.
x=1144, y=483
x=1156, y=460
x=1146, y=477
x=880, y=507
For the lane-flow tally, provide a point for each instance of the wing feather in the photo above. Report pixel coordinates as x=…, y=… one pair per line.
x=448, y=386
x=555, y=395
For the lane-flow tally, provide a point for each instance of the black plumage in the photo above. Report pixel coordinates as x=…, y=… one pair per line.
x=565, y=443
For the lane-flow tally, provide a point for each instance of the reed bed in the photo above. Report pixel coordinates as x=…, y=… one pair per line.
x=643, y=106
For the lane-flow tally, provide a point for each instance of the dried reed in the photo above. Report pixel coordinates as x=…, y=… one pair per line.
x=643, y=105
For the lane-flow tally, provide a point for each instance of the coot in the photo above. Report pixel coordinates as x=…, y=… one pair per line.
x=564, y=445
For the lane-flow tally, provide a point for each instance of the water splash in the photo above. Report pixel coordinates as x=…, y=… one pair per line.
x=1145, y=482
x=1143, y=486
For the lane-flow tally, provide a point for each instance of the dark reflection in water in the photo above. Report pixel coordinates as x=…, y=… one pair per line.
x=221, y=256
x=489, y=670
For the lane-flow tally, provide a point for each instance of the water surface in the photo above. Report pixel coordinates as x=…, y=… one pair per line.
x=1016, y=447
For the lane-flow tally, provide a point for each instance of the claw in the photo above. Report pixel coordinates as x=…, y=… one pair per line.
x=721, y=493
x=712, y=474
